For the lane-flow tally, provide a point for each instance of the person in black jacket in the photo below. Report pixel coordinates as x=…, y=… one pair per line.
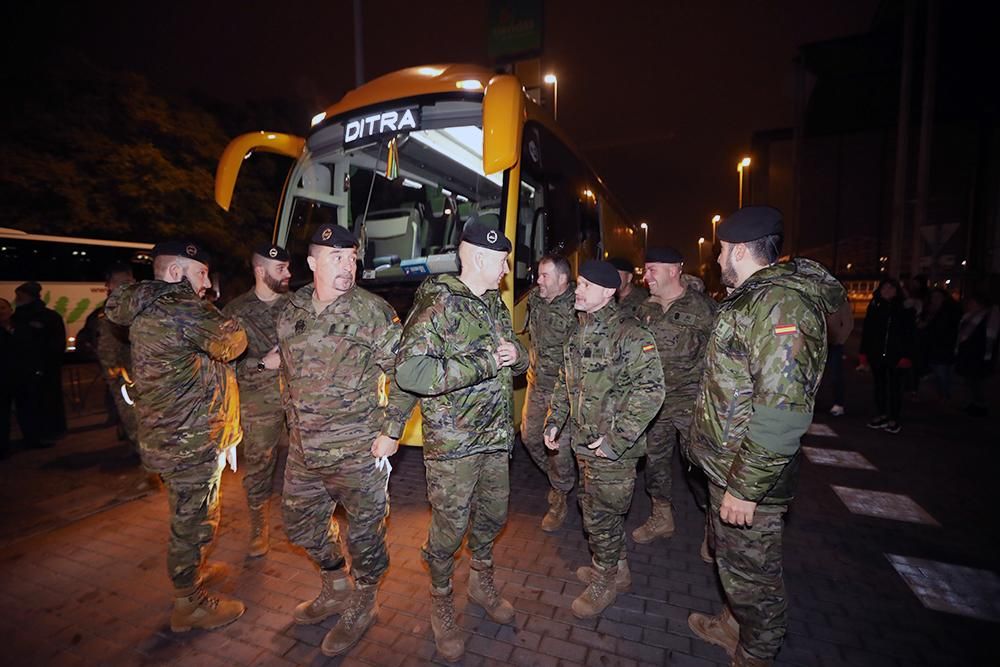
x=976, y=348
x=939, y=326
x=886, y=348
x=6, y=376
x=39, y=344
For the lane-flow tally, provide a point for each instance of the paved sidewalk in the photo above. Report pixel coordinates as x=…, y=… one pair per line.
x=95, y=591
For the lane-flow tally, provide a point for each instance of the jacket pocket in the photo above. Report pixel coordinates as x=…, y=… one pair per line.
x=731, y=413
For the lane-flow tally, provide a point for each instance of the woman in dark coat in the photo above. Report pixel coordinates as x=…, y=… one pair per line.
x=887, y=348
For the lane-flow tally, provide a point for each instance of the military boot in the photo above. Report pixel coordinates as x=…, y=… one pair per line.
x=194, y=608
x=447, y=636
x=259, y=531
x=623, y=580
x=483, y=591
x=333, y=598
x=554, y=518
x=721, y=630
x=744, y=659
x=599, y=595
x=659, y=524
x=361, y=612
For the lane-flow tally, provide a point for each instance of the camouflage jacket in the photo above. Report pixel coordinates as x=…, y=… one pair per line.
x=610, y=384
x=631, y=304
x=446, y=358
x=764, y=363
x=681, y=333
x=337, y=370
x=186, y=394
x=260, y=320
x=550, y=324
x=109, y=344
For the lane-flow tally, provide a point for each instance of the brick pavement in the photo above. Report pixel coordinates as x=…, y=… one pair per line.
x=95, y=591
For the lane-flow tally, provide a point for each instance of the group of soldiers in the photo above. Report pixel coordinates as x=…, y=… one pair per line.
x=609, y=381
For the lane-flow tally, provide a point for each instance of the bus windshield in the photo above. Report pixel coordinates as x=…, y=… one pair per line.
x=409, y=219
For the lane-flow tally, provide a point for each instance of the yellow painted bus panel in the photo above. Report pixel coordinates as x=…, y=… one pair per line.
x=503, y=121
x=239, y=148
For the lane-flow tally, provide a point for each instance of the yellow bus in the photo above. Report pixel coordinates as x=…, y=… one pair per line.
x=406, y=160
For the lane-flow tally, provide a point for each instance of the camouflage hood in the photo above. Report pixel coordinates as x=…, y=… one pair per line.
x=131, y=300
x=807, y=277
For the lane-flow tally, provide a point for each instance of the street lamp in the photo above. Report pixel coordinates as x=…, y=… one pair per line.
x=554, y=82
x=715, y=221
x=645, y=235
x=740, y=166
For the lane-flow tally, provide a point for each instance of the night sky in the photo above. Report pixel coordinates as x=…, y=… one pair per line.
x=662, y=98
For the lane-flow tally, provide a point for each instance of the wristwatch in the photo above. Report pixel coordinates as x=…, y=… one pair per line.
x=260, y=366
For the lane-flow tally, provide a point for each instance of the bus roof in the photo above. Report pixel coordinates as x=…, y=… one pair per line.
x=17, y=234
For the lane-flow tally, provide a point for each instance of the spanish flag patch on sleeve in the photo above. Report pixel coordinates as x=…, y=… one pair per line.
x=648, y=348
x=785, y=329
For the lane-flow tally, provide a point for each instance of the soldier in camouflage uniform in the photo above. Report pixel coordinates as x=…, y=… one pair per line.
x=763, y=366
x=680, y=319
x=189, y=413
x=629, y=295
x=261, y=411
x=337, y=344
x=609, y=389
x=551, y=321
x=459, y=355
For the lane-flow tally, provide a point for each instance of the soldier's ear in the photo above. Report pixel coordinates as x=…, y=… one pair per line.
x=311, y=261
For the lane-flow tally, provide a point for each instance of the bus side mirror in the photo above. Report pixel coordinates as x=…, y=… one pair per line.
x=240, y=149
x=503, y=120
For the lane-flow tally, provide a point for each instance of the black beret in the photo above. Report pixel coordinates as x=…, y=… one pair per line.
x=622, y=264
x=483, y=236
x=749, y=224
x=30, y=287
x=182, y=249
x=601, y=273
x=663, y=256
x=332, y=235
x=268, y=251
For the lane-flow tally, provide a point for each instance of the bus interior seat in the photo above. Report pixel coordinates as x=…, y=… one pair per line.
x=392, y=232
x=440, y=226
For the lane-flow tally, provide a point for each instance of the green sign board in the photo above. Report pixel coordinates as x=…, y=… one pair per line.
x=515, y=29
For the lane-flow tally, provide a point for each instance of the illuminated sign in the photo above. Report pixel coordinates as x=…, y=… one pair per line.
x=374, y=125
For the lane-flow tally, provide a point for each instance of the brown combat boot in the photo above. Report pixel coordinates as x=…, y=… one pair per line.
x=721, y=630
x=260, y=541
x=553, y=519
x=659, y=524
x=361, y=613
x=483, y=591
x=599, y=595
x=194, y=608
x=447, y=636
x=623, y=580
x=744, y=659
x=333, y=598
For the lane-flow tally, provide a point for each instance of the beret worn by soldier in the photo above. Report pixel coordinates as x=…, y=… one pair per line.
x=480, y=235
x=182, y=249
x=333, y=235
x=269, y=251
x=622, y=264
x=749, y=224
x=31, y=288
x=664, y=256
x=601, y=273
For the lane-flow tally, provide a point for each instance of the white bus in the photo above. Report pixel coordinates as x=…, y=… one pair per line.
x=70, y=271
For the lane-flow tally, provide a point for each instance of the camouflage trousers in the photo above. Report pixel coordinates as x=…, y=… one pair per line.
x=669, y=427
x=557, y=465
x=193, y=494
x=469, y=494
x=127, y=414
x=749, y=561
x=310, y=498
x=263, y=429
x=605, y=494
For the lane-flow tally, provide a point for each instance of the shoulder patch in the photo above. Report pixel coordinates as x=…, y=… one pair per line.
x=785, y=329
x=648, y=348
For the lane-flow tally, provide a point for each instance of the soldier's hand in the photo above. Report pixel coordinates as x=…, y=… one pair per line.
x=595, y=447
x=384, y=446
x=506, y=354
x=272, y=360
x=550, y=439
x=736, y=512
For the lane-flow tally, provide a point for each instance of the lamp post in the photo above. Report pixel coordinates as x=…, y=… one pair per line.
x=715, y=221
x=553, y=81
x=701, y=259
x=645, y=236
x=740, y=166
